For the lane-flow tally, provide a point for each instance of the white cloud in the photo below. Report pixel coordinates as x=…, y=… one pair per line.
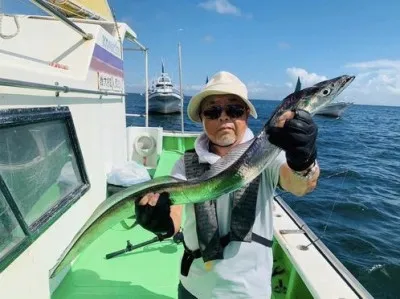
x=267, y=91
x=221, y=7
x=192, y=88
x=306, y=78
x=375, y=64
x=377, y=82
x=290, y=85
x=257, y=87
x=208, y=38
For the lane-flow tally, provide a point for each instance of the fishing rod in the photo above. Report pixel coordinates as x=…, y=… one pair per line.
x=330, y=214
x=177, y=238
x=345, y=172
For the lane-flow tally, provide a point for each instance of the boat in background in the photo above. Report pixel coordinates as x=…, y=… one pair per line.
x=164, y=98
x=334, y=109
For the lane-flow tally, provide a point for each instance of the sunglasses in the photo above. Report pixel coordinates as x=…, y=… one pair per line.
x=232, y=110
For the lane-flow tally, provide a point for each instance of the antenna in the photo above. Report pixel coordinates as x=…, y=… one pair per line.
x=180, y=86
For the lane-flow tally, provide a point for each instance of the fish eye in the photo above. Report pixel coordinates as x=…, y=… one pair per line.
x=326, y=91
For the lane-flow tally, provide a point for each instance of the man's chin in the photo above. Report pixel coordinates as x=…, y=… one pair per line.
x=226, y=141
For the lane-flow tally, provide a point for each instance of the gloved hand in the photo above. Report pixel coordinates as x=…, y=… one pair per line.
x=156, y=218
x=298, y=139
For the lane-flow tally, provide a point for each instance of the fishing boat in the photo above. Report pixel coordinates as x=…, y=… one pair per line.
x=164, y=98
x=334, y=109
x=63, y=128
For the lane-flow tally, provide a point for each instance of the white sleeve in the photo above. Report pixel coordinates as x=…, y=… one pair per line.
x=178, y=171
x=273, y=171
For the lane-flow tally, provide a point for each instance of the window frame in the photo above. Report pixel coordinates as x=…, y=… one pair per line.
x=24, y=116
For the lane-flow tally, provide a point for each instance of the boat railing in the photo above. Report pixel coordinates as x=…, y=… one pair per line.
x=342, y=271
x=56, y=88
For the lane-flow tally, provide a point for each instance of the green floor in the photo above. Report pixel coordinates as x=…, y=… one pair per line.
x=148, y=272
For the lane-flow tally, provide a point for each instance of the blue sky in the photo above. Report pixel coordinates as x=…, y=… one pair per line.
x=266, y=43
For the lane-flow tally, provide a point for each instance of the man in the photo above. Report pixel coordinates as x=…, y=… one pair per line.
x=228, y=240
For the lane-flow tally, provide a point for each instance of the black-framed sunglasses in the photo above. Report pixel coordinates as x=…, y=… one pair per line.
x=232, y=110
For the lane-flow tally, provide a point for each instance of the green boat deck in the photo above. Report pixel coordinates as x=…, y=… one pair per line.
x=151, y=271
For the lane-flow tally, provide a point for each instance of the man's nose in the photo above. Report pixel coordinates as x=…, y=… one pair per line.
x=224, y=116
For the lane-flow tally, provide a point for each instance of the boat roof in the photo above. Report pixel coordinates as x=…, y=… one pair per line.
x=108, y=25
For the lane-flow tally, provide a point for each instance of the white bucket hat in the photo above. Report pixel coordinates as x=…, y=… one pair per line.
x=220, y=83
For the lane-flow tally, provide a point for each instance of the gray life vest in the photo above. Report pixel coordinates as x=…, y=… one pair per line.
x=243, y=214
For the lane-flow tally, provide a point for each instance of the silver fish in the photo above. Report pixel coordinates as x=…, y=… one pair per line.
x=233, y=171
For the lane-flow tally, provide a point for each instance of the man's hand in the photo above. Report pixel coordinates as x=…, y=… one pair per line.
x=153, y=213
x=296, y=133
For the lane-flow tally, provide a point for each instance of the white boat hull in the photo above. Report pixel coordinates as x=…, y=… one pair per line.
x=334, y=109
x=164, y=103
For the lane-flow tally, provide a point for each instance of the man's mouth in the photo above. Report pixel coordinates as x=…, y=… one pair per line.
x=224, y=128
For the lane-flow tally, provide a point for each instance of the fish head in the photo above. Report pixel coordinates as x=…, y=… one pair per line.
x=328, y=91
x=312, y=98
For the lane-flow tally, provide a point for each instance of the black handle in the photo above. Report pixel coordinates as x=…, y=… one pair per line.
x=178, y=238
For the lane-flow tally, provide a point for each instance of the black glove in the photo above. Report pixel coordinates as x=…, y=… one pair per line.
x=156, y=218
x=298, y=139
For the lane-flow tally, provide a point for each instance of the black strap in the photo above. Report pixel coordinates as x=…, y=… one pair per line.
x=254, y=237
x=190, y=255
x=261, y=240
x=188, y=258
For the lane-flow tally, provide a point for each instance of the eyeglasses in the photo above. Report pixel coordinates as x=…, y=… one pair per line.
x=232, y=110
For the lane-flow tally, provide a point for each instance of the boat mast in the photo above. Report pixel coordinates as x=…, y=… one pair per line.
x=146, y=85
x=180, y=86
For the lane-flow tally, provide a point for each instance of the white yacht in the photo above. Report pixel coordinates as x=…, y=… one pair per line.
x=334, y=109
x=64, y=134
x=164, y=98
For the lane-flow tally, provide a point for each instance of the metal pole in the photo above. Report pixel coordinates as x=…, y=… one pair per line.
x=146, y=87
x=46, y=7
x=56, y=88
x=180, y=85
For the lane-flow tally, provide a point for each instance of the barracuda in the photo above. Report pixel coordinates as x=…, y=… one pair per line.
x=233, y=171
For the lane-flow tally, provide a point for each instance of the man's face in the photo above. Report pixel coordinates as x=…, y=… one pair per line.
x=224, y=119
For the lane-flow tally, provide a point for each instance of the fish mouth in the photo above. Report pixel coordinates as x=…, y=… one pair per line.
x=349, y=79
x=346, y=81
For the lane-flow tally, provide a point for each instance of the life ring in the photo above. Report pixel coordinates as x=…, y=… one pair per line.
x=145, y=145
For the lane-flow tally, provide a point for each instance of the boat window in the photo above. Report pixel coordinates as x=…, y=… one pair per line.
x=41, y=172
x=38, y=166
x=11, y=234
